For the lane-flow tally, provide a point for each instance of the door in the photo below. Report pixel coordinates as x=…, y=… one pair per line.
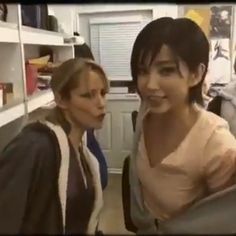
x=116, y=136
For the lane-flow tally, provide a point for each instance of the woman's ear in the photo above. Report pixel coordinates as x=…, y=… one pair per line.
x=196, y=77
x=60, y=101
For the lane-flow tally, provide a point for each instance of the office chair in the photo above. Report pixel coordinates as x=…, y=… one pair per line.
x=126, y=186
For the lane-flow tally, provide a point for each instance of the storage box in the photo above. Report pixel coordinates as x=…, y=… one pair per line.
x=31, y=78
x=7, y=92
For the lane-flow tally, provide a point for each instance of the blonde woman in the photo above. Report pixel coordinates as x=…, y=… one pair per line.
x=49, y=180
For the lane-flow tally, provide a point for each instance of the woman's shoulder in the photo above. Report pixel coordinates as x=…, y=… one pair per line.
x=35, y=138
x=39, y=133
x=211, y=119
x=220, y=138
x=210, y=124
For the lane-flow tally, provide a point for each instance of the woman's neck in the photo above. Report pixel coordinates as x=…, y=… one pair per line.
x=76, y=132
x=179, y=119
x=75, y=136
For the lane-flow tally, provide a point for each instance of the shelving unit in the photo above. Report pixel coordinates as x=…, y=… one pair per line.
x=17, y=44
x=9, y=33
x=41, y=37
x=39, y=99
x=12, y=113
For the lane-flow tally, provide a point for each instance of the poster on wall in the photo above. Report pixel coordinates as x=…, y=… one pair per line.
x=220, y=64
x=201, y=17
x=221, y=17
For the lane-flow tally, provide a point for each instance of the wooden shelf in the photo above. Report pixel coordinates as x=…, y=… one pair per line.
x=11, y=114
x=8, y=33
x=39, y=99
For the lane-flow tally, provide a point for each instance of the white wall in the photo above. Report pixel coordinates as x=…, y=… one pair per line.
x=158, y=10
x=84, y=25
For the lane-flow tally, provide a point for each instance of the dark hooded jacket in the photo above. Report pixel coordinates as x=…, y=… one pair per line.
x=29, y=188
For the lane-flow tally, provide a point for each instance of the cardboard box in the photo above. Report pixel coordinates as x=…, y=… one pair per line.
x=7, y=89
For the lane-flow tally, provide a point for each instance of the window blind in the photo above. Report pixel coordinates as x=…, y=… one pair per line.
x=111, y=44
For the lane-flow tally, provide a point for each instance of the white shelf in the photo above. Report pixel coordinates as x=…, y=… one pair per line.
x=8, y=33
x=11, y=114
x=39, y=99
x=41, y=37
x=17, y=44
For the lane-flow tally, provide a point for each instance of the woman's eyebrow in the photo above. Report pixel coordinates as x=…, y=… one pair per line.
x=163, y=62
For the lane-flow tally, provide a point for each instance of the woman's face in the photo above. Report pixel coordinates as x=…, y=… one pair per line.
x=86, y=106
x=162, y=86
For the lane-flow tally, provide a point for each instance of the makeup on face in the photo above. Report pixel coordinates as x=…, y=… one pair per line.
x=89, y=100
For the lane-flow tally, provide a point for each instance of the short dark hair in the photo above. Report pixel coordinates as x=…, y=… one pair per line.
x=186, y=40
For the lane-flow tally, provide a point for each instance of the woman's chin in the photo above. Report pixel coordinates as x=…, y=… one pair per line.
x=159, y=109
x=97, y=125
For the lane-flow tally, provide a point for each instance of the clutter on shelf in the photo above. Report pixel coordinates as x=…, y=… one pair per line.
x=6, y=93
x=37, y=16
x=38, y=73
x=76, y=39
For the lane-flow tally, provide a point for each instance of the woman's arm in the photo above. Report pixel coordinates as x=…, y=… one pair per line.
x=219, y=160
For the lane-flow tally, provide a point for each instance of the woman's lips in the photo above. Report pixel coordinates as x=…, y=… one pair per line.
x=101, y=117
x=155, y=100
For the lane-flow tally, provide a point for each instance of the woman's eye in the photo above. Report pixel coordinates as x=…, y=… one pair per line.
x=142, y=71
x=167, y=70
x=103, y=93
x=86, y=95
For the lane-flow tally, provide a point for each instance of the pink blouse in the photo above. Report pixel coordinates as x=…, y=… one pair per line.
x=204, y=163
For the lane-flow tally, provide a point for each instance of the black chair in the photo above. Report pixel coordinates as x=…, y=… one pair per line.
x=126, y=187
x=134, y=118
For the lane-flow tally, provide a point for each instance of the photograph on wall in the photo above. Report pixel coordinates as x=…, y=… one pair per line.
x=220, y=65
x=221, y=17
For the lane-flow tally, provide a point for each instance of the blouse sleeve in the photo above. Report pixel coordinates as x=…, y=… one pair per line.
x=219, y=160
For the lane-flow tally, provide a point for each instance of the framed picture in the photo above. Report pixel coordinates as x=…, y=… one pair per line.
x=220, y=61
x=221, y=19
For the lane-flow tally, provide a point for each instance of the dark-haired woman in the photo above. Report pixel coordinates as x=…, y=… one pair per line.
x=182, y=153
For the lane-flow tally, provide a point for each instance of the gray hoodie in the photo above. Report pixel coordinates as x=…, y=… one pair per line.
x=228, y=105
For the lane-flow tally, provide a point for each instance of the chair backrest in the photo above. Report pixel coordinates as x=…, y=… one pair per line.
x=134, y=118
x=126, y=196
x=126, y=186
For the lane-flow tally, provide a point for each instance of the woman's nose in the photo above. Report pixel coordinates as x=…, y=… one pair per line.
x=101, y=101
x=152, y=82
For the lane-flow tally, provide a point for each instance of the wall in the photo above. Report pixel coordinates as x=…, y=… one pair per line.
x=84, y=19
x=158, y=10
